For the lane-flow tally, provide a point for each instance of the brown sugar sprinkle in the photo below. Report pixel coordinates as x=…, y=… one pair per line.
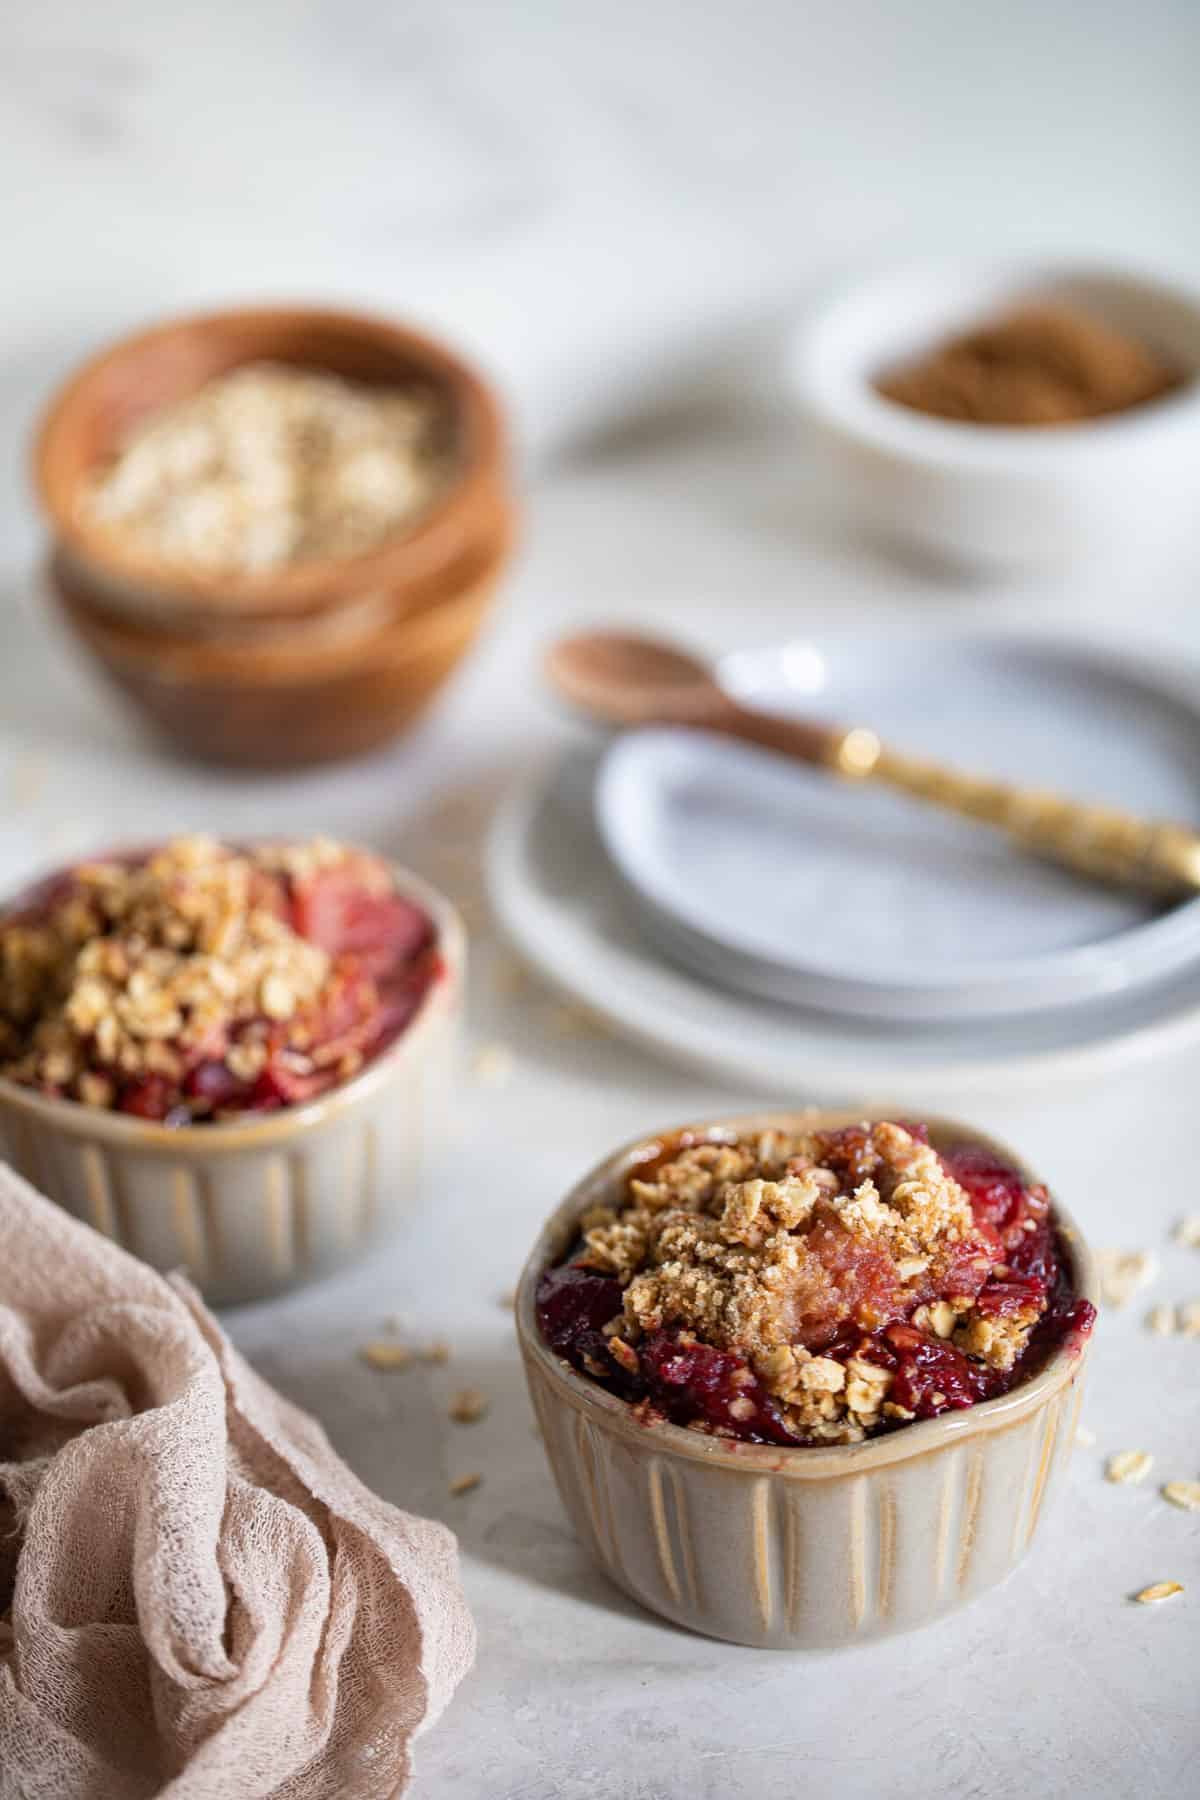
x=465, y=1484
x=468, y=1406
x=1038, y=365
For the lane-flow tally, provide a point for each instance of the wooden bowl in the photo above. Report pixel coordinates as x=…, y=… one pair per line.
x=321, y=692
x=94, y=411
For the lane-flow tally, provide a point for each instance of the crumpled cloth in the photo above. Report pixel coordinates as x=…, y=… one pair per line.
x=197, y=1598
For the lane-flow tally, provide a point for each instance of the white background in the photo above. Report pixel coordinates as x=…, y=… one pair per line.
x=602, y=203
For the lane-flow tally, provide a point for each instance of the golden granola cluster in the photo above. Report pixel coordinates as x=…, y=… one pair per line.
x=760, y=1247
x=141, y=968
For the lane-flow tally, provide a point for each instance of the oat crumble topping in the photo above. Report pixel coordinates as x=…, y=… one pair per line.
x=198, y=978
x=819, y=1264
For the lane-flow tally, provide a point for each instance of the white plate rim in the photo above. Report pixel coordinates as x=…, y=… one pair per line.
x=534, y=926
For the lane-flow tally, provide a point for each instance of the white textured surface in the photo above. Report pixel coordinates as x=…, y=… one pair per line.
x=586, y=196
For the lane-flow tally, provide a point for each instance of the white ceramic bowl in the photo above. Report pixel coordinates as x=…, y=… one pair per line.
x=1121, y=485
x=804, y=1549
x=253, y=1206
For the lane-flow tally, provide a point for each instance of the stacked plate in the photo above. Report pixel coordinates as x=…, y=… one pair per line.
x=758, y=917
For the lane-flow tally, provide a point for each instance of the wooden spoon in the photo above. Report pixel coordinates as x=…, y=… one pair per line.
x=626, y=680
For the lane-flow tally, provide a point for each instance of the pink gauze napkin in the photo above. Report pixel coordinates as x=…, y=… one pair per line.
x=197, y=1598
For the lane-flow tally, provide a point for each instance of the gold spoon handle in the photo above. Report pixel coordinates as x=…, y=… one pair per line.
x=1100, y=841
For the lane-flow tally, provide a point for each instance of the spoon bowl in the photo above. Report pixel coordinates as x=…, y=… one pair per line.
x=629, y=680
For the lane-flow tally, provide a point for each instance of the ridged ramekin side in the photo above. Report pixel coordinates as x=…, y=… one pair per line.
x=766, y=1558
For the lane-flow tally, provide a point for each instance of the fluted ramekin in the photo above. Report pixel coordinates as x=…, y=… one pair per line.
x=801, y=1549
x=251, y=1207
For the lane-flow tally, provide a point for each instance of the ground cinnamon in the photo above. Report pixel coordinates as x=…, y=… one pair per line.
x=1040, y=365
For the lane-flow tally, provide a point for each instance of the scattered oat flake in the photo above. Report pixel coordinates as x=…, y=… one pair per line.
x=1084, y=1438
x=26, y=780
x=436, y=1352
x=1187, y=1232
x=1161, y=1590
x=1189, y=1318
x=386, y=1353
x=468, y=1406
x=1185, y=1494
x=493, y=1065
x=509, y=978
x=463, y=1484
x=1122, y=1273
x=1161, y=1320
x=579, y=1021
x=1129, y=1466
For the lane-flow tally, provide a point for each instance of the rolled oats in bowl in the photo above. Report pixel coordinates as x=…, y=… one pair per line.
x=269, y=466
x=202, y=980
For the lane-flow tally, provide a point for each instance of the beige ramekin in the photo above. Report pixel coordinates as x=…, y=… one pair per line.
x=800, y=1549
x=250, y=1208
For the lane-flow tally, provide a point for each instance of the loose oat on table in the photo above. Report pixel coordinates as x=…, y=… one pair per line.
x=1189, y=1318
x=1129, y=1466
x=509, y=978
x=1160, y=1590
x=493, y=1065
x=270, y=466
x=578, y=1020
x=464, y=1484
x=1187, y=1232
x=1184, y=1494
x=1122, y=1273
x=386, y=1353
x=436, y=1352
x=468, y=1406
x=1161, y=1320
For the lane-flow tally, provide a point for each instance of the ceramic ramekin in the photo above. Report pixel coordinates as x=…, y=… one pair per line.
x=1000, y=495
x=250, y=1208
x=800, y=1549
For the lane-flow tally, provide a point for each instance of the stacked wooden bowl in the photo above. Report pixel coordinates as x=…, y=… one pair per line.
x=317, y=661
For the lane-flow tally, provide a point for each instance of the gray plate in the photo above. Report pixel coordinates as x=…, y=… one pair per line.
x=779, y=881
